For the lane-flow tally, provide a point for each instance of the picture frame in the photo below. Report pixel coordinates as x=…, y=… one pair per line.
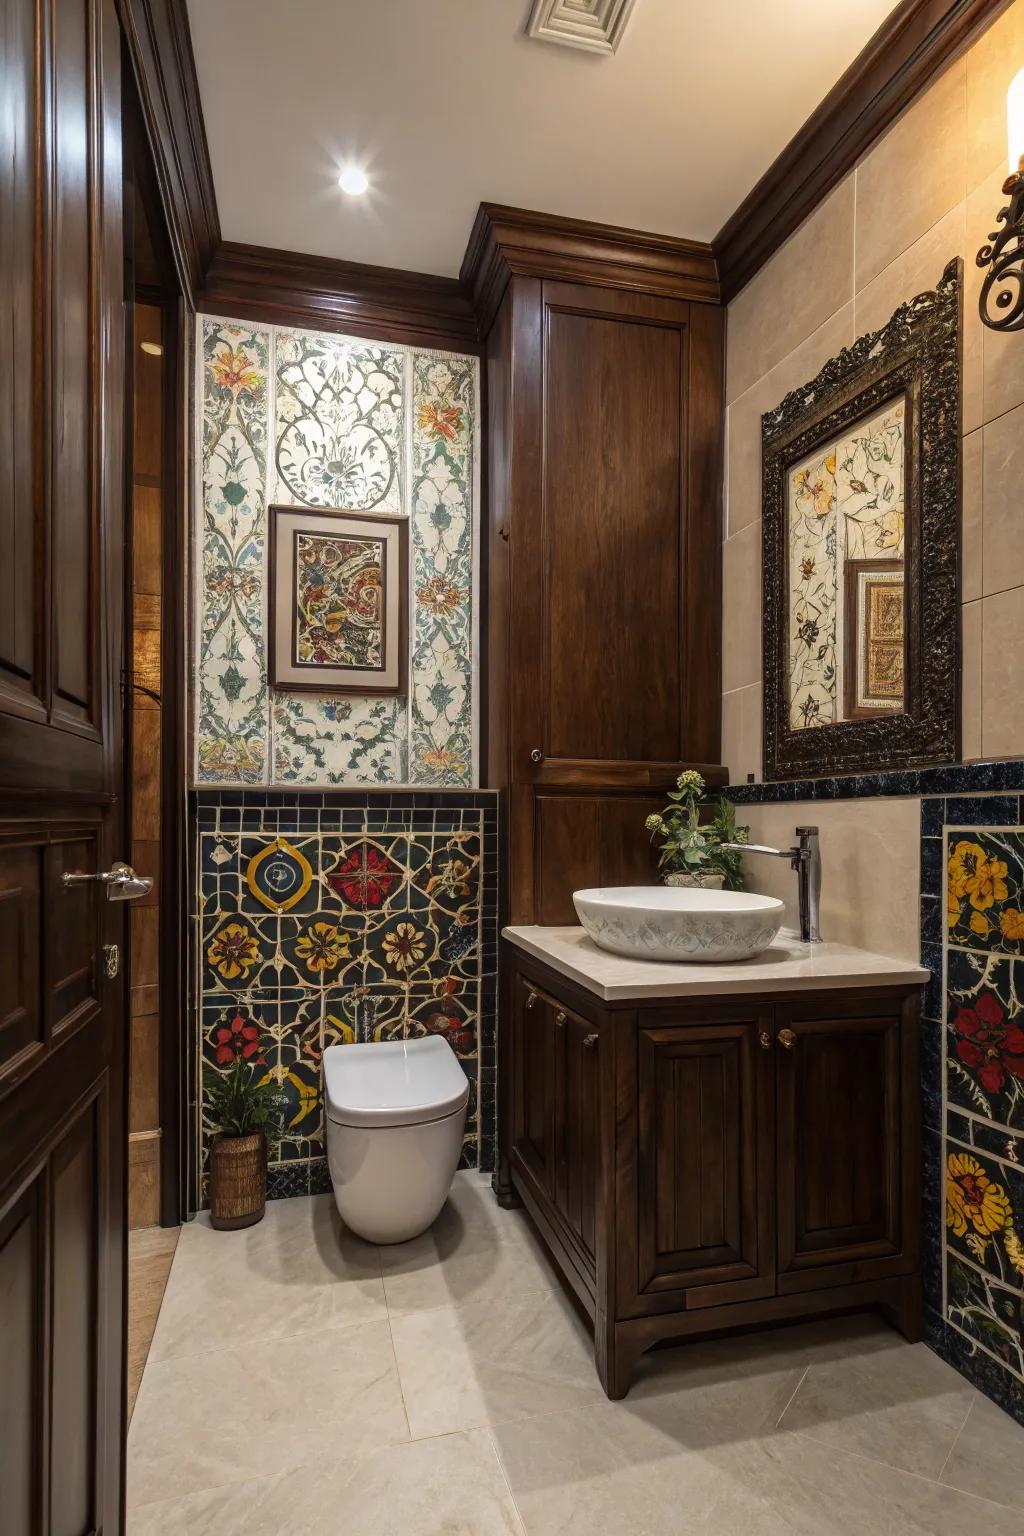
x=338, y=601
x=912, y=362
x=876, y=640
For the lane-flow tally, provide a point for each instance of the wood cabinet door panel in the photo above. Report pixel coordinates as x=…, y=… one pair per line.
x=533, y=1105
x=577, y=1128
x=840, y=1116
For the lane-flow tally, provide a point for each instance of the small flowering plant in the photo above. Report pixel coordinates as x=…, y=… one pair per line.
x=692, y=845
x=243, y=1099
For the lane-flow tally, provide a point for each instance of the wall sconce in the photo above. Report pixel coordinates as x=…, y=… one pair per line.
x=1002, y=292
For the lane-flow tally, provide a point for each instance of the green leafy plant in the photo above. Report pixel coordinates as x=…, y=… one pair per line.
x=691, y=840
x=243, y=1100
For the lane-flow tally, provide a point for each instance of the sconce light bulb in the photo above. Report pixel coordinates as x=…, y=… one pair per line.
x=1015, y=123
x=353, y=181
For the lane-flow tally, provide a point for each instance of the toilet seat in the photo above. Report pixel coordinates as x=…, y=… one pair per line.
x=393, y=1083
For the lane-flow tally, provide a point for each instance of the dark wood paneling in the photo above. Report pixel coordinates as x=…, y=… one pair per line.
x=383, y=303
x=587, y=840
x=21, y=1014
x=915, y=42
x=514, y=242
x=578, y=1130
x=74, y=1433
x=23, y=1290
x=533, y=1132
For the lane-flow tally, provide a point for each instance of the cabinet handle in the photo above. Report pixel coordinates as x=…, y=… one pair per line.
x=536, y=756
x=589, y=1041
x=560, y=1018
x=764, y=1040
x=531, y=999
x=787, y=1039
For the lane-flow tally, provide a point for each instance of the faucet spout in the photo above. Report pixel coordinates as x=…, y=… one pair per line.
x=805, y=858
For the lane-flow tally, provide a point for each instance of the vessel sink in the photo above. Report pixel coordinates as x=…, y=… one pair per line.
x=660, y=922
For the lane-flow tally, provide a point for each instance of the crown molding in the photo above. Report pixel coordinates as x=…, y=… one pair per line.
x=512, y=242
x=159, y=47
x=381, y=303
x=910, y=48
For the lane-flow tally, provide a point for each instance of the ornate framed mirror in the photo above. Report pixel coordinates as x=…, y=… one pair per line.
x=861, y=485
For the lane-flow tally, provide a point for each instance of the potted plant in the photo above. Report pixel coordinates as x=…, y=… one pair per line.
x=691, y=847
x=246, y=1108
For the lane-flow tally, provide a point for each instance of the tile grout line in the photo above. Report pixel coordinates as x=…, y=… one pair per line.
x=792, y=1396
x=956, y=1438
x=489, y=1432
x=843, y=1451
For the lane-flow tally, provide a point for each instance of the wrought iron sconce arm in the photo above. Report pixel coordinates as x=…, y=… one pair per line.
x=1002, y=292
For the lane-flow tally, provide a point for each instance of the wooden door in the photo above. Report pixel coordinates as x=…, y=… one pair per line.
x=533, y=1146
x=577, y=1129
x=62, y=1077
x=700, y=1207
x=846, y=1107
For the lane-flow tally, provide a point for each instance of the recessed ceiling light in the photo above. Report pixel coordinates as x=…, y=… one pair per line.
x=353, y=181
x=152, y=348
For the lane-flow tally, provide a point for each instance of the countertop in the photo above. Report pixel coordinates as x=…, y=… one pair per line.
x=786, y=966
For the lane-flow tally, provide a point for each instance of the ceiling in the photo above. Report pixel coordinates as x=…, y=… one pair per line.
x=448, y=103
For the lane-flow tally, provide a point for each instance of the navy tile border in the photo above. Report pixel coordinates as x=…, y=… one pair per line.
x=955, y=779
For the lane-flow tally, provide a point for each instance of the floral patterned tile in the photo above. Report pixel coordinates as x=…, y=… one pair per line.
x=324, y=740
x=985, y=890
x=985, y=1251
x=985, y=1034
x=365, y=1013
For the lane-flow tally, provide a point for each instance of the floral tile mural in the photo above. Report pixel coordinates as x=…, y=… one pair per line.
x=321, y=420
x=983, y=1105
x=321, y=925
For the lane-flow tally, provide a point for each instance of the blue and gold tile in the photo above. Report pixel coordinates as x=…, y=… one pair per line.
x=239, y=953
x=365, y=1013
x=985, y=890
x=985, y=1036
x=448, y=1008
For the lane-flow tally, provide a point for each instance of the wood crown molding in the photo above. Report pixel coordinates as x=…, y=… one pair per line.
x=381, y=303
x=910, y=48
x=159, y=46
x=507, y=242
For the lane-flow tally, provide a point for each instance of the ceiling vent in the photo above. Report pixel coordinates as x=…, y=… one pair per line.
x=596, y=25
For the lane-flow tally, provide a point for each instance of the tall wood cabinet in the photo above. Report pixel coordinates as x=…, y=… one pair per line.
x=605, y=402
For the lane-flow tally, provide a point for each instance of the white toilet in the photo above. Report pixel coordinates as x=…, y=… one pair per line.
x=395, y=1116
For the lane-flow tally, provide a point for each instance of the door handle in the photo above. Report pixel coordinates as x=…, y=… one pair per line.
x=787, y=1039
x=122, y=883
x=589, y=1041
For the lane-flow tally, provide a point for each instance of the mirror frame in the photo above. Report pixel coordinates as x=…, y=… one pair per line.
x=917, y=354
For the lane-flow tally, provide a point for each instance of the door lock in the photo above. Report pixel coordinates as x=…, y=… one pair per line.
x=111, y=960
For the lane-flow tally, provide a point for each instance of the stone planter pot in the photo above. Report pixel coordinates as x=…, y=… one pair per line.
x=238, y=1181
x=705, y=879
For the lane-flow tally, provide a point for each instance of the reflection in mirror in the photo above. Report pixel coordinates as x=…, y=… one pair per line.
x=845, y=535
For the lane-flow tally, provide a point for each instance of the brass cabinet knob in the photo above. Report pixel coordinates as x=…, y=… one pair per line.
x=536, y=756
x=590, y=1041
x=531, y=999
x=764, y=1040
x=787, y=1039
x=560, y=1018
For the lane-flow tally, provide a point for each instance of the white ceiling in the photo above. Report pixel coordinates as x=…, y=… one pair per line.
x=446, y=103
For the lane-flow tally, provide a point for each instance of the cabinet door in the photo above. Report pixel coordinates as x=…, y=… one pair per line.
x=845, y=1109
x=577, y=1129
x=703, y=1198
x=533, y=1106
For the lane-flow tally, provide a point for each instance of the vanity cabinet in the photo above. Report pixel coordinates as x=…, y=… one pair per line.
x=714, y=1162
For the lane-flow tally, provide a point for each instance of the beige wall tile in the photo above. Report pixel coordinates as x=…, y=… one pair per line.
x=1002, y=696
x=870, y=851
x=1003, y=491
x=805, y=282
x=970, y=686
x=741, y=733
x=971, y=518
x=741, y=609
x=913, y=176
x=991, y=65
x=744, y=416
x=914, y=271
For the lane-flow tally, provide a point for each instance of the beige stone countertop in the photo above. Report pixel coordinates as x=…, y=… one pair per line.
x=786, y=966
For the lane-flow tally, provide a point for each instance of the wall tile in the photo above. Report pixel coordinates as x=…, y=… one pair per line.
x=322, y=740
x=741, y=608
x=741, y=732
x=1003, y=481
x=913, y=271
x=804, y=283
x=1002, y=697
x=913, y=176
x=991, y=65
x=970, y=684
x=971, y=577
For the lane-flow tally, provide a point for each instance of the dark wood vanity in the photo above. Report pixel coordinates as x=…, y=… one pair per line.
x=698, y=1163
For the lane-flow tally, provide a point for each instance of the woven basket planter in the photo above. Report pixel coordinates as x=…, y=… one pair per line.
x=238, y=1181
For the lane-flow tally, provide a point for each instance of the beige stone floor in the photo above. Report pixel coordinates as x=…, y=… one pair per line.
x=150, y=1251
x=301, y=1381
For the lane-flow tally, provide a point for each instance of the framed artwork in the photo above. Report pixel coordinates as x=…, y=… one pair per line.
x=861, y=550
x=339, y=601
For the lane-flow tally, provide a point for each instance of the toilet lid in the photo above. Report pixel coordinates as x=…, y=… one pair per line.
x=395, y=1082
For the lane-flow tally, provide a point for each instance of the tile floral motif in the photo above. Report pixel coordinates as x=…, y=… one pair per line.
x=985, y=1024
x=985, y=1252
x=322, y=740
x=443, y=469
x=231, y=735
x=339, y=422
x=985, y=891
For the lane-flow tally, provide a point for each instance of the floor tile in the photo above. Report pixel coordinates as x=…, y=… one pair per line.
x=900, y=1404
x=233, y=1414
x=297, y=1271
x=988, y=1457
x=481, y=1364
x=150, y=1253
x=452, y=1486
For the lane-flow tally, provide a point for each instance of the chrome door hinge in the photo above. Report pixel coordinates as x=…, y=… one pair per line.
x=111, y=960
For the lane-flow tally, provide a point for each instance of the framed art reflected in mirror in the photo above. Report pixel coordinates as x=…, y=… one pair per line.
x=861, y=541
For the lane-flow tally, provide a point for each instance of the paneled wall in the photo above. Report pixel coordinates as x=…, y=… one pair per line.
x=929, y=190
x=317, y=420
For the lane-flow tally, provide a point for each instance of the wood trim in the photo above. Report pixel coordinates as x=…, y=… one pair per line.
x=159, y=47
x=513, y=242
x=382, y=303
x=907, y=52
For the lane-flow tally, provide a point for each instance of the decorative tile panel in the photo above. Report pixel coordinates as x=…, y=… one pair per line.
x=326, y=923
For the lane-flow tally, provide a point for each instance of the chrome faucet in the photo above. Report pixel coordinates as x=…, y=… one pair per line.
x=805, y=858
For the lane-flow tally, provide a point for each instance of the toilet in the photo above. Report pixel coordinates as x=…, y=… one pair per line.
x=395, y=1116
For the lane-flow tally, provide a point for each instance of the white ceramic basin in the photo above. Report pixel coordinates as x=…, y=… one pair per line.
x=660, y=922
